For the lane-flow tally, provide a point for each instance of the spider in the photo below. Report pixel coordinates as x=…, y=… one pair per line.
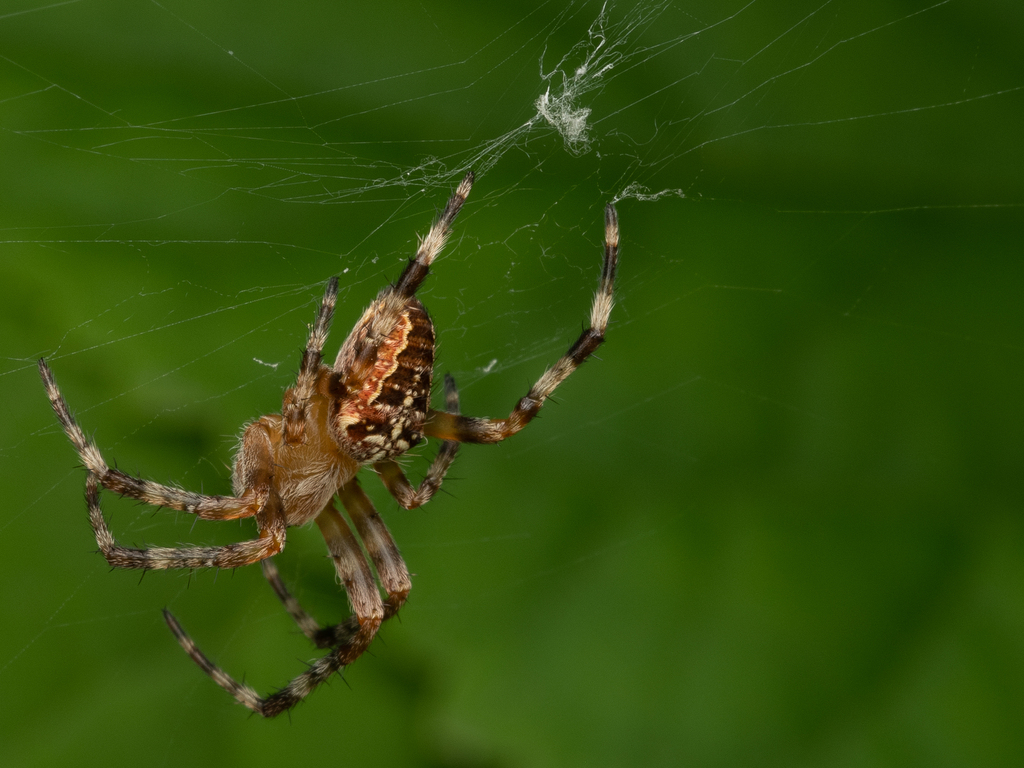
x=369, y=408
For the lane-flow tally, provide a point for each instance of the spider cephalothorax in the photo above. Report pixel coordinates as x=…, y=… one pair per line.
x=369, y=408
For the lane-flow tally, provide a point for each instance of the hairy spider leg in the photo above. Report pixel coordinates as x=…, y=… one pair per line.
x=466, y=429
x=297, y=398
x=169, y=497
x=269, y=520
x=391, y=302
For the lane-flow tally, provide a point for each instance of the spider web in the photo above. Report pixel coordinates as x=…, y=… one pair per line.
x=795, y=461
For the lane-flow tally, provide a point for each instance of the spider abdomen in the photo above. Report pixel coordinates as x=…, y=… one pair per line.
x=385, y=417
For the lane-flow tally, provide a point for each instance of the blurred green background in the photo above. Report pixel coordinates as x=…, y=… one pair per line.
x=777, y=524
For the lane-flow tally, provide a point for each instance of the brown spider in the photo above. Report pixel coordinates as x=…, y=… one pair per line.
x=369, y=408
